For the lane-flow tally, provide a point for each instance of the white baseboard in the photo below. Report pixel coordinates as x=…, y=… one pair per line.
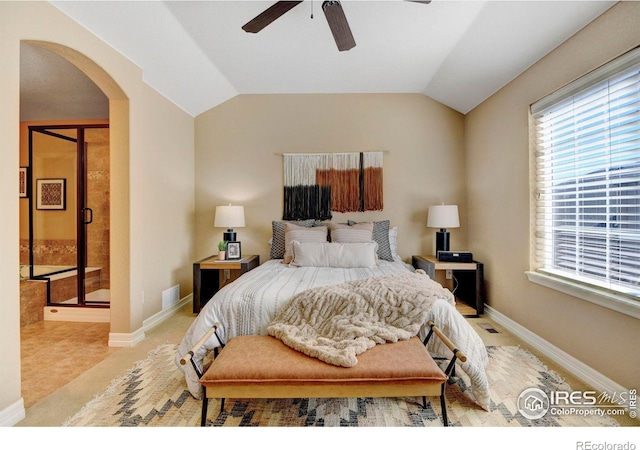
x=163, y=315
x=126, y=339
x=576, y=367
x=12, y=414
x=132, y=339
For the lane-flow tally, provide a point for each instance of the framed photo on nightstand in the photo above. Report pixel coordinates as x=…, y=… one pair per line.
x=233, y=250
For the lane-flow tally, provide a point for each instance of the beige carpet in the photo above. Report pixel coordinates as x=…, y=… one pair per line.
x=153, y=393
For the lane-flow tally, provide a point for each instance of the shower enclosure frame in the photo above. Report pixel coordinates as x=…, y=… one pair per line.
x=81, y=209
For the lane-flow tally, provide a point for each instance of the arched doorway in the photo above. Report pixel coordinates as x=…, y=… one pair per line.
x=119, y=180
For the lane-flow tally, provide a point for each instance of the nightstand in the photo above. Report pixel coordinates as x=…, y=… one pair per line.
x=211, y=274
x=468, y=275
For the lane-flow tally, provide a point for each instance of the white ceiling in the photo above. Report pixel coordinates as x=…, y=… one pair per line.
x=456, y=52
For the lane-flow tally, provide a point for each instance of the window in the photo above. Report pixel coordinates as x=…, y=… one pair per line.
x=587, y=179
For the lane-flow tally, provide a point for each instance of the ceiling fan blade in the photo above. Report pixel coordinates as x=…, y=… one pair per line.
x=339, y=25
x=269, y=15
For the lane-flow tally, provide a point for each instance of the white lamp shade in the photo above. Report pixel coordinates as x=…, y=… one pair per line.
x=229, y=216
x=443, y=216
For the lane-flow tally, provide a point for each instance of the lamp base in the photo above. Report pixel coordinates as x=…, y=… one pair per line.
x=442, y=241
x=229, y=235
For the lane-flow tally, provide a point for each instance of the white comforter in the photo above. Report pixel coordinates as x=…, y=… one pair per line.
x=249, y=304
x=337, y=323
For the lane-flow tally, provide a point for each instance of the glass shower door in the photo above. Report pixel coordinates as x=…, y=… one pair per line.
x=53, y=218
x=69, y=241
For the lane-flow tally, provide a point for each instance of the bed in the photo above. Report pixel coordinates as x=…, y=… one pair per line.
x=249, y=305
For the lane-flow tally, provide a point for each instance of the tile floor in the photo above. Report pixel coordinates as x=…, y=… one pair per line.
x=66, y=364
x=54, y=353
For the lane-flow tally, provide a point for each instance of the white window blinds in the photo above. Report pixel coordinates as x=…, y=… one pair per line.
x=587, y=144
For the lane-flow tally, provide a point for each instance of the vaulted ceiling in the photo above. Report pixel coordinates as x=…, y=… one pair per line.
x=196, y=54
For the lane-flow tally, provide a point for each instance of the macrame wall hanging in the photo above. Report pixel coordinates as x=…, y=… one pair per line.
x=316, y=184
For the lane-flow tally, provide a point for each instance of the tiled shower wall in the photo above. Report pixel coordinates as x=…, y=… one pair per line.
x=50, y=252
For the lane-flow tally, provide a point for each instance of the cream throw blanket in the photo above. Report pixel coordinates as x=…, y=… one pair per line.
x=336, y=323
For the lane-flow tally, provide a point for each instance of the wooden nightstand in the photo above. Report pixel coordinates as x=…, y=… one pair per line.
x=469, y=276
x=210, y=274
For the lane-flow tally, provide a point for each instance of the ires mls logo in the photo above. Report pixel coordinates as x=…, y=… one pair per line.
x=533, y=403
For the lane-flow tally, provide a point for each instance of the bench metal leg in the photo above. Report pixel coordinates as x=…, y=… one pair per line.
x=205, y=405
x=443, y=406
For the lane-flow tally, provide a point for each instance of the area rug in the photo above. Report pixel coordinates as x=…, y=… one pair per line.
x=154, y=394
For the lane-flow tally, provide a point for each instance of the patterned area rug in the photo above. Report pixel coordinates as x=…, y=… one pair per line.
x=154, y=394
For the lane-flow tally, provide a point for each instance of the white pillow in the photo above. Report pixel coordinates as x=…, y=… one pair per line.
x=334, y=254
x=393, y=241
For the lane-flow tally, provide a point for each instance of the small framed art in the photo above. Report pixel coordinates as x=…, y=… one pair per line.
x=233, y=250
x=24, y=182
x=51, y=193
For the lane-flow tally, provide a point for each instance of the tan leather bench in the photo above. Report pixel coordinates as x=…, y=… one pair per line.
x=264, y=367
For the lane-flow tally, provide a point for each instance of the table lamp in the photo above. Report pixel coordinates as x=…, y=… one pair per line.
x=443, y=217
x=229, y=217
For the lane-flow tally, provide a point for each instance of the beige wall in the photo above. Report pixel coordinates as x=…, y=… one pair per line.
x=152, y=205
x=238, y=159
x=497, y=163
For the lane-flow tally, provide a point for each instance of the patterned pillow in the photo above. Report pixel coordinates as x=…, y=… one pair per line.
x=301, y=234
x=381, y=236
x=361, y=232
x=277, y=239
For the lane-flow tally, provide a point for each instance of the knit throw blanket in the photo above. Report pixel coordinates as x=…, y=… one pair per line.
x=336, y=323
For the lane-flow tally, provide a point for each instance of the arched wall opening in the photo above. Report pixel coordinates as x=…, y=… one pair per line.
x=120, y=320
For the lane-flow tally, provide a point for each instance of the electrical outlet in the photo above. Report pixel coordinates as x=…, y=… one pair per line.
x=449, y=274
x=227, y=274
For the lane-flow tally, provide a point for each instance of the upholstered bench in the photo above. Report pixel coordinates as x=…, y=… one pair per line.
x=264, y=367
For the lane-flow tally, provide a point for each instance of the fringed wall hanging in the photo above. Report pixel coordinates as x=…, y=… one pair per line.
x=316, y=184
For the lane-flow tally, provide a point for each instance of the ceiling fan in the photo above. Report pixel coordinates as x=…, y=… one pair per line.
x=332, y=10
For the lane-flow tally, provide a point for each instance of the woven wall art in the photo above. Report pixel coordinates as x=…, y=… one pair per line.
x=317, y=184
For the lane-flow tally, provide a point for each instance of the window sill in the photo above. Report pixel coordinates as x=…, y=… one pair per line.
x=602, y=298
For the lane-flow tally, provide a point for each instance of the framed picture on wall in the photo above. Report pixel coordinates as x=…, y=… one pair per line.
x=51, y=193
x=233, y=250
x=24, y=182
